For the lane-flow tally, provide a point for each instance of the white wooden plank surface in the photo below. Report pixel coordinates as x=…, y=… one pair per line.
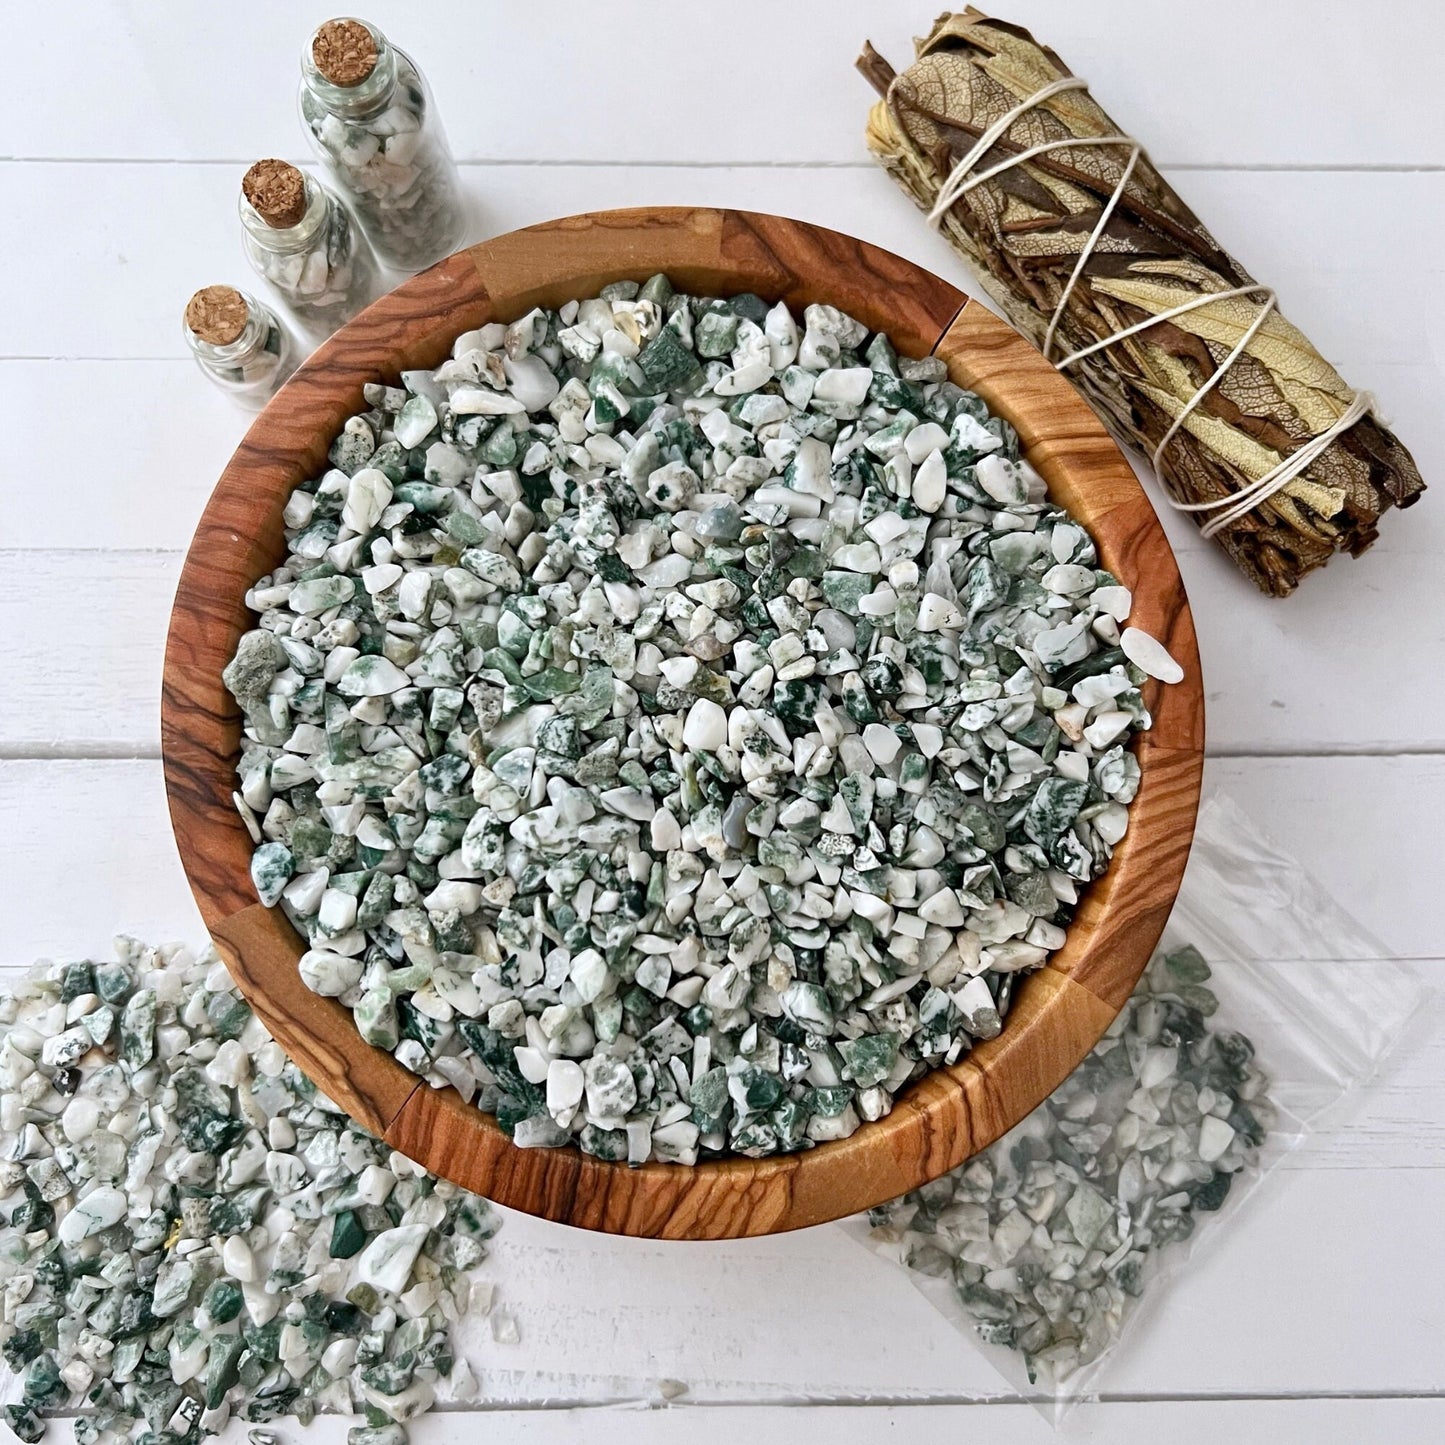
x=1323, y=82
x=1327, y=1285
x=1273, y=670
x=728, y=1320
x=159, y=464
x=1365, y=828
x=1359, y=283
x=105, y=821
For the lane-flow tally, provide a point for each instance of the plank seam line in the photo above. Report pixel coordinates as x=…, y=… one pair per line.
x=914, y=1402
x=1264, y=752
x=843, y=1402
x=80, y=753
x=546, y=163
x=7, y=553
x=646, y=1405
x=16, y=356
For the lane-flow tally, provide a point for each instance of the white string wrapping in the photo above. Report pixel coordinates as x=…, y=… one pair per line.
x=960, y=181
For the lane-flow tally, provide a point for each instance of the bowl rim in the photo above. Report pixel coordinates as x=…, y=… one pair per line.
x=1059, y=1011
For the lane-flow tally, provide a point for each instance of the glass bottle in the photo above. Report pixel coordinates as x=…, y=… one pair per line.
x=372, y=124
x=238, y=343
x=299, y=237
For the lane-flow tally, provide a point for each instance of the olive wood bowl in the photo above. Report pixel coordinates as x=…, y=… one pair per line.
x=1058, y=1013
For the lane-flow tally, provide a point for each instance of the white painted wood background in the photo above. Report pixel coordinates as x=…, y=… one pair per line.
x=1309, y=135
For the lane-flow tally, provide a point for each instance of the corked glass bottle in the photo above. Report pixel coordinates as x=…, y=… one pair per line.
x=372, y=123
x=299, y=237
x=238, y=343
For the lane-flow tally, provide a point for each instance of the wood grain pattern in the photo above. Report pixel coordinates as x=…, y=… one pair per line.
x=1058, y=1012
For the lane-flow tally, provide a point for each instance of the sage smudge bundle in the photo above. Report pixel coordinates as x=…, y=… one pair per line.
x=1083, y=243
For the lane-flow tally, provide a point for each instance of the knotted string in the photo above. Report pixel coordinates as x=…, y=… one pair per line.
x=960, y=182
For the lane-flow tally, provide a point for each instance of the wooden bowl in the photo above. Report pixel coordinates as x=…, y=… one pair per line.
x=1058, y=1013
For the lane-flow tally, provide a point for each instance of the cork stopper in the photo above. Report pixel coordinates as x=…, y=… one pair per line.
x=277, y=193
x=217, y=314
x=344, y=52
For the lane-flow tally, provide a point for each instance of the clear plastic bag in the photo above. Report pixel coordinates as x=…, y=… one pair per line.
x=1051, y=1245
